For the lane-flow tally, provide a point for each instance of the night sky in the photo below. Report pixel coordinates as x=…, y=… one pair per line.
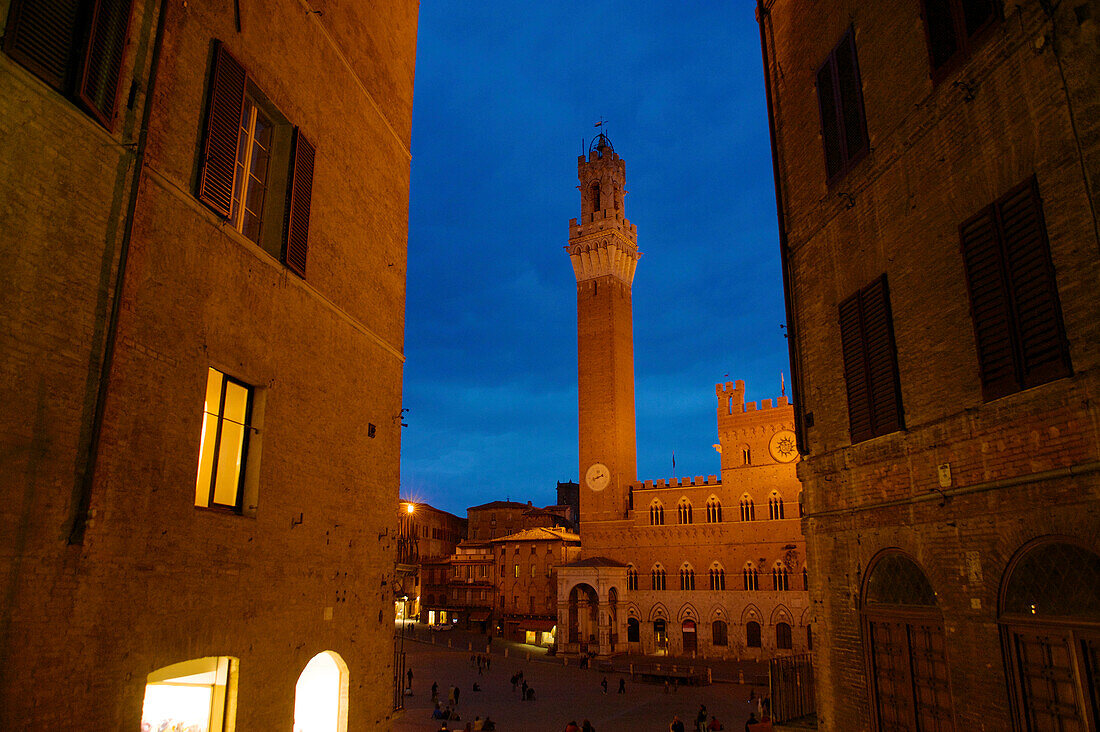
x=505, y=92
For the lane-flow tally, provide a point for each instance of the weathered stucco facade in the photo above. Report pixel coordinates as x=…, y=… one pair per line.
x=124, y=289
x=958, y=200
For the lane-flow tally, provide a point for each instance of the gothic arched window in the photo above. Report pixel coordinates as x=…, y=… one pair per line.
x=631, y=578
x=595, y=196
x=656, y=514
x=657, y=577
x=775, y=506
x=752, y=634
x=687, y=578
x=717, y=577
x=750, y=576
x=783, y=636
x=714, y=510
x=748, y=510
x=684, y=511
x=780, y=579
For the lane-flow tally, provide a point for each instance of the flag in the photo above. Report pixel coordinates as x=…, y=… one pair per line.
x=598, y=124
x=674, y=462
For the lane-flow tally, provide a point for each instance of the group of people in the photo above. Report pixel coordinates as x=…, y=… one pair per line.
x=482, y=662
x=586, y=726
x=622, y=685
x=526, y=692
x=701, y=723
x=475, y=726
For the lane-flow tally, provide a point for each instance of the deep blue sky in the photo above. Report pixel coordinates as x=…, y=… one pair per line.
x=505, y=93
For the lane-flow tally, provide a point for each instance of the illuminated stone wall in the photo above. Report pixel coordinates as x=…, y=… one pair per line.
x=153, y=580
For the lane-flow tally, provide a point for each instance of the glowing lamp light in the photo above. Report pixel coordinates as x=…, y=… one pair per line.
x=410, y=508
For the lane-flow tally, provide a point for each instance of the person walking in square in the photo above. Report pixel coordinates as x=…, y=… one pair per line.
x=622, y=685
x=604, y=684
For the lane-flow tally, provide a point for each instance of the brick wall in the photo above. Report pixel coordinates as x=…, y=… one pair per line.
x=156, y=580
x=1021, y=467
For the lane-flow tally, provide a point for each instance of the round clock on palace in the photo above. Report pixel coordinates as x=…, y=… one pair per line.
x=597, y=476
x=782, y=446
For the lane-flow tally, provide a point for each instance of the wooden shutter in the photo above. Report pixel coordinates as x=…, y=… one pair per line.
x=989, y=306
x=855, y=370
x=850, y=96
x=102, y=66
x=882, y=365
x=830, y=124
x=300, y=195
x=1037, y=312
x=870, y=363
x=223, y=125
x=1013, y=295
x=41, y=35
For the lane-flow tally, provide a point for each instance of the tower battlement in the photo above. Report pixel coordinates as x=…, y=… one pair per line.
x=731, y=402
x=698, y=481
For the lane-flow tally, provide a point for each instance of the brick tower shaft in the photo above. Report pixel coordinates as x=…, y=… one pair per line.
x=604, y=253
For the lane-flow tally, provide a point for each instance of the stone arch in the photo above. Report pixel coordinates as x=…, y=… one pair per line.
x=780, y=614
x=718, y=612
x=751, y=612
x=321, y=695
x=687, y=612
x=804, y=619
x=633, y=611
x=658, y=611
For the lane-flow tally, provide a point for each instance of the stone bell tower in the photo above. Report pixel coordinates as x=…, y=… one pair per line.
x=603, y=247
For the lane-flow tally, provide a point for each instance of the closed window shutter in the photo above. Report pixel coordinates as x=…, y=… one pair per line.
x=41, y=34
x=1042, y=345
x=855, y=370
x=878, y=340
x=297, y=211
x=223, y=124
x=830, y=124
x=98, y=88
x=870, y=363
x=851, y=97
x=1013, y=295
x=989, y=306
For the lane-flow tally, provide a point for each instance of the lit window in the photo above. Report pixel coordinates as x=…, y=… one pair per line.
x=517, y=570
x=223, y=446
x=250, y=179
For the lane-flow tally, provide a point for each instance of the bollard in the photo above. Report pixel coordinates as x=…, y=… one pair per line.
x=470, y=646
x=506, y=651
x=449, y=643
x=740, y=677
x=528, y=656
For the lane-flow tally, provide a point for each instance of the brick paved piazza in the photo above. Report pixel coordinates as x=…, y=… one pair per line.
x=562, y=694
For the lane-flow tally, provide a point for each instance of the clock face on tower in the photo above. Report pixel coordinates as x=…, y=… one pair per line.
x=782, y=446
x=597, y=476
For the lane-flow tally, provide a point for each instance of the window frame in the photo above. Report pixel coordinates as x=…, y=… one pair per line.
x=238, y=507
x=848, y=160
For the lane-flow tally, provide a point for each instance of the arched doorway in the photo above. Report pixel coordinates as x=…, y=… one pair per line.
x=660, y=637
x=584, y=608
x=691, y=643
x=200, y=695
x=903, y=635
x=321, y=695
x=1050, y=628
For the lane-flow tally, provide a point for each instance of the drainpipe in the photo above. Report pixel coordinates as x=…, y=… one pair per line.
x=784, y=250
x=84, y=494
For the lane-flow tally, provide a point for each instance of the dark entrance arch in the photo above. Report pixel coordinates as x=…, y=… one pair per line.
x=584, y=609
x=1050, y=629
x=904, y=645
x=660, y=636
x=687, y=629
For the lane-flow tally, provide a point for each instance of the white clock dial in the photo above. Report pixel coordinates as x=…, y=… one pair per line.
x=597, y=476
x=782, y=446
